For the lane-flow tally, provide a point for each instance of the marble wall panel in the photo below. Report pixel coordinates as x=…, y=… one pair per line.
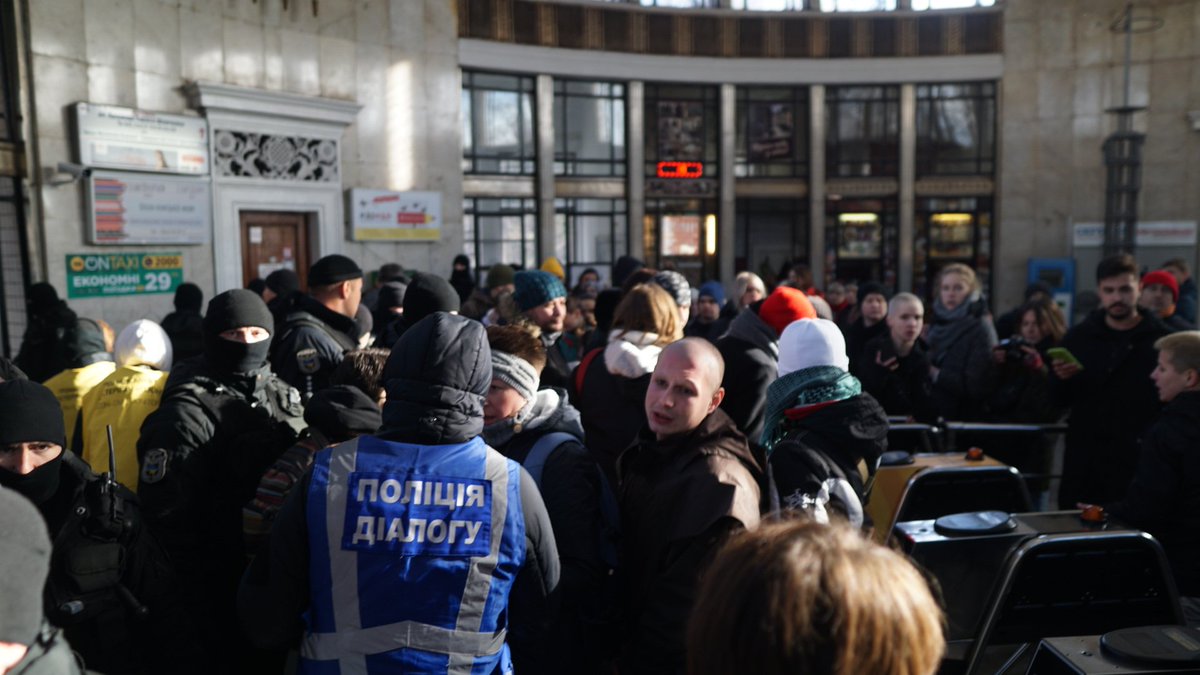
x=372, y=25
x=156, y=37
x=1021, y=46
x=201, y=46
x=243, y=53
x=61, y=82
x=301, y=70
x=159, y=92
x=1056, y=91
x=372, y=62
x=408, y=25
x=108, y=29
x=1169, y=84
x=1175, y=38
x=337, y=68
x=337, y=19
x=1056, y=44
x=272, y=59
x=440, y=28
x=113, y=86
x=56, y=29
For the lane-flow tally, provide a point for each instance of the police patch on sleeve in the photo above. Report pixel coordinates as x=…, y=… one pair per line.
x=308, y=361
x=154, y=466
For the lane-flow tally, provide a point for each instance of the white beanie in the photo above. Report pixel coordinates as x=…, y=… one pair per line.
x=143, y=343
x=806, y=343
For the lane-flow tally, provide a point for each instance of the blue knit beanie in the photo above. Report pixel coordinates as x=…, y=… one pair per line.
x=714, y=290
x=535, y=288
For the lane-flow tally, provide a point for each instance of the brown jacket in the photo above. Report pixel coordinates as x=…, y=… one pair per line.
x=680, y=498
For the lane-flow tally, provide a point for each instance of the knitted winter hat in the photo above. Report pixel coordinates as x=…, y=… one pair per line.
x=785, y=305
x=25, y=559
x=624, y=267
x=189, y=297
x=426, y=294
x=283, y=282
x=500, y=274
x=1164, y=279
x=535, y=288
x=516, y=373
x=29, y=413
x=554, y=267
x=809, y=343
x=676, y=285
x=871, y=288
x=714, y=290
x=333, y=269
x=144, y=342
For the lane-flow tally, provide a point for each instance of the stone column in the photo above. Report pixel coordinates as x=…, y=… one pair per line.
x=548, y=234
x=816, y=182
x=635, y=160
x=726, y=218
x=908, y=174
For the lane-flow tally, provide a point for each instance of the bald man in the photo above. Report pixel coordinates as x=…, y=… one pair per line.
x=687, y=483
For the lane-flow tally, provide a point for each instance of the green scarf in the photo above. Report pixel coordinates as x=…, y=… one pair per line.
x=819, y=384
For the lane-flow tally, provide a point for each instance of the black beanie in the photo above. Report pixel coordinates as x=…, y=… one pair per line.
x=25, y=559
x=189, y=297
x=391, y=294
x=333, y=269
x=363, y=321
x=283, y=282
x=426, y=294
x=29, y=413
x=235, y=309
x=871, y=288
x=625, y=266
x=41, y=297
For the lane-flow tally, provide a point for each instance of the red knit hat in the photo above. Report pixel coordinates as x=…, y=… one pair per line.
x=1163, y=278
x=785, y=305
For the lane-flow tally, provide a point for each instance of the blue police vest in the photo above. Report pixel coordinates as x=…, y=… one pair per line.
x=413, y=551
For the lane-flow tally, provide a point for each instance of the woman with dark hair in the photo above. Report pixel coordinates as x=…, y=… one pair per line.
x=461, y=278
x=797, y=597
x=960, y=340
x=609, y=386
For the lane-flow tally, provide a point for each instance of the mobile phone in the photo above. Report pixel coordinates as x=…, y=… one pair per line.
x=1064, y=355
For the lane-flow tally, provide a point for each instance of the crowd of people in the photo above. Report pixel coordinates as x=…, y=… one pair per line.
x=434, y=475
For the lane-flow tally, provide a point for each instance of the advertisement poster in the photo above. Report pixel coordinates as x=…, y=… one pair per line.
x=380, y=215
x=771, y=131
x=681, y=131
x=680, y=235
x=131, y=208
x=96, y=275
x=113, y=137
x=860, y=236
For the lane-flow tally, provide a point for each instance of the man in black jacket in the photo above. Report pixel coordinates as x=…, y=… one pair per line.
x=688, y=482
x=185, y=325
x=321, y=328
x=41, y=355
x=894, y=367
x=437, y=376
x=110, y=588
x=223, y=420
x=1111, y=399
x=1164, y=497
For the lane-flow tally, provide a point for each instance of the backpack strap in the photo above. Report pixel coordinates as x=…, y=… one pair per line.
x=535, y=461
x=581, y=371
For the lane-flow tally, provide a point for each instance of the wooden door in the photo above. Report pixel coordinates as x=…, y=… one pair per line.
x=273, y=240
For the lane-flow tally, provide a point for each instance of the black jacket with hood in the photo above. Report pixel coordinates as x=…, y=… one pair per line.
x=436, y=378
x=1111, y=403
x=906, y=390
x=42, y=355
x=751, y=352
x=1164, y=497
x=572, y=489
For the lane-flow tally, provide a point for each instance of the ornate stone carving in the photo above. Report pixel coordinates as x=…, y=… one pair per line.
x=240, y=154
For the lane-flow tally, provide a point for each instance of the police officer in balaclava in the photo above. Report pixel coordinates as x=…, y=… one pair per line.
x=110, y=587
x=223, y=421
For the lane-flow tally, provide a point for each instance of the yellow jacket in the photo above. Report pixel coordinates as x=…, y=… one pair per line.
x=70, y=385
x=124, y=399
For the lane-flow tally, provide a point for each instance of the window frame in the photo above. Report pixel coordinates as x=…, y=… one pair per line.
x=526, y=157
x=798, y=165
x=525, y=207
x=563, y=166
x=887, y=165
x=983, y=94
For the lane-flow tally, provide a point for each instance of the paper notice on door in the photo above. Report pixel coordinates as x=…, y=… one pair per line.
x=265, y=269
x=255, y=235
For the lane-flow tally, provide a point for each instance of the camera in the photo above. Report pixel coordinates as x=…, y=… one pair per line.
x=1012, y=349
x=74, y=170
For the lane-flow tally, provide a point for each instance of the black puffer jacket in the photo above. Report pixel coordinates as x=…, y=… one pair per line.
x=436, y=378
x=1111, y=403
x=751, y=352
x=571, y=486
x=1164, y=497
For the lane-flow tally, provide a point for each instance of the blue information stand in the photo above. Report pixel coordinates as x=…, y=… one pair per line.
x=1059, y=275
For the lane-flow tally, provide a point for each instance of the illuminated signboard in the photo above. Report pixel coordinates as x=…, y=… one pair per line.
x=680, y=169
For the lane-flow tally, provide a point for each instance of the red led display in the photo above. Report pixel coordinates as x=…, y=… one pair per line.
x=680, y=169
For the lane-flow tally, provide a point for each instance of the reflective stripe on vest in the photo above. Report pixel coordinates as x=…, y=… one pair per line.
x=350, y=643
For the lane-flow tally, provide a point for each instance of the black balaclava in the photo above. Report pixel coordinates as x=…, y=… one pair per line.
x=42, y=298
x=236, y=309
x=30, y=413
x=189, y=298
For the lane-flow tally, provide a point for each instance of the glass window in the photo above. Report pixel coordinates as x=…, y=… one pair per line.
x=768, y=5
x=499, y=230
x=857, y=5
x=772, y=132
x=497, y=124
x=948, y=230
x=592, y=233
x=682, y=125
x=921, y=5
x=956, y=128
x=770, y=233
x=861, y=241
x=863, y=131
x=589, y=128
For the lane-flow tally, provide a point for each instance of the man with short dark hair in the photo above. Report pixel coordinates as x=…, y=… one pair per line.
x=1111, y=400
x=321, y=328
x=687, y=483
